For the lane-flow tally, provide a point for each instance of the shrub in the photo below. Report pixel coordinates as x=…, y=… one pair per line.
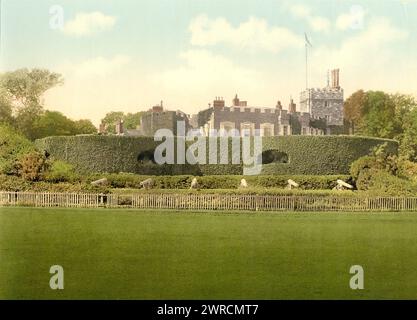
x=60, y=171
x=12, y=146
x=380, y=159
x=18, y=184
x=306, y=182
x=31, y=166
x=383, y=183
x=407, y=169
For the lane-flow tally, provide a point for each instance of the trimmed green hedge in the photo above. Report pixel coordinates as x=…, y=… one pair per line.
x=315, y=155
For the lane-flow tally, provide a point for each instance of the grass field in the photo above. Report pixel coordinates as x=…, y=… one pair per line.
x=178, y=255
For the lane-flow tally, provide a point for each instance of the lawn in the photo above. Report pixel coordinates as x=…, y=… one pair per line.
x=132, y=254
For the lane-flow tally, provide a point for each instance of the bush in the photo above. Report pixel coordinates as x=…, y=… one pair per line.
x=60, y=171
x=380, y=160
x=31, y=166
x=314, y=155
x=407, y=169
x=18, y=184
x=12, y=146
x=382, y=183
x=126, y=180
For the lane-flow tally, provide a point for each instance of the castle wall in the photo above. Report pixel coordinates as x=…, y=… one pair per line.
x=153, y=121
x=256, y=116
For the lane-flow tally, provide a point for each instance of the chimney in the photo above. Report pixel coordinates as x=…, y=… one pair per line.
x=279, y=105
x=119, y=127
x=218, y=103
x=292, y=107
x=236, y=101
x=335, y=79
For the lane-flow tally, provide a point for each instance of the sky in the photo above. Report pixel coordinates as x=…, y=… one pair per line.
x=128, y=55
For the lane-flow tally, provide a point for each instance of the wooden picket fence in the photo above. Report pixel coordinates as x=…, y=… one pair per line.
x=208, y=202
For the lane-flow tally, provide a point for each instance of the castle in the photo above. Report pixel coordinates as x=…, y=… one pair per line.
x=321, y=113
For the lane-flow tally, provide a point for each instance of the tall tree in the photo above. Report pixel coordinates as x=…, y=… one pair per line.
x=408, y=140
x=84, y=126
x=6, y=115
x=27, y=86
x=111, y=118
x=132, y=120
x=353, y=109
x=379, y=116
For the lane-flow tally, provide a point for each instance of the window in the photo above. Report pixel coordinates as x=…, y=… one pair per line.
x=267, y=129
x=273, y=156
x=146, y=157
x=285, y=131
x=246, y=129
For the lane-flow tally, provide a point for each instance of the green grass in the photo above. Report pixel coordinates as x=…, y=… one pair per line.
x=180, y=255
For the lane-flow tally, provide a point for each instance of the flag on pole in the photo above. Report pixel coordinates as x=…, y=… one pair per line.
x=307, y=40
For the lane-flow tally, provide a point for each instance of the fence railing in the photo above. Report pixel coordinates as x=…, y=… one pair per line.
x=208, y=202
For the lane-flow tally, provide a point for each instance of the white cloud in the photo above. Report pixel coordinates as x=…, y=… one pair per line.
x=365, y=59
x=99, y=66
x=86, y=24
x=352, y=20
x=253, y=34
x=317, y=23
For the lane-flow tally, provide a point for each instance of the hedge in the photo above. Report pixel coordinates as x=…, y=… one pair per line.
x=314, y=155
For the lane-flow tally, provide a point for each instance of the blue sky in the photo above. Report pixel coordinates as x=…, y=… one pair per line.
x=128, y=55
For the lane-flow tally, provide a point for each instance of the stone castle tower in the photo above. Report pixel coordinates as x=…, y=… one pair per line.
x=325, y=103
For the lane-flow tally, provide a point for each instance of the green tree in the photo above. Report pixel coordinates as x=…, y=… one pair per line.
x=379, y=118
x=5, y=107
x=353, y=109
x=84, y=126
x=132, y=120
x=26, y=119
x=53, y=123
x=111, y=118
x=27, y=86
x=408, y=141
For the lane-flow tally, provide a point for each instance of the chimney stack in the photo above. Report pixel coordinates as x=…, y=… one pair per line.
x=292, y=108
x=335, y=79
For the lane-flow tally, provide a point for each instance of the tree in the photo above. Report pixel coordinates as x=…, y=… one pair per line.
x=353, y=109
x=408, y=141
x=376, y=113
x=111, y=118
x=27, y=86
x=379, y=119
x=26, y=119
x=5, y=107
x=84, y=127
x=53, y=123
x=132, y=120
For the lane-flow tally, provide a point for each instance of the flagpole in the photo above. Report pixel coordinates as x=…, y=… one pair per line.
x=306, y=66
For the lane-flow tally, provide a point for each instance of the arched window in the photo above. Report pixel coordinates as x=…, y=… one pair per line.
x=274, y=156
x=146, y=157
